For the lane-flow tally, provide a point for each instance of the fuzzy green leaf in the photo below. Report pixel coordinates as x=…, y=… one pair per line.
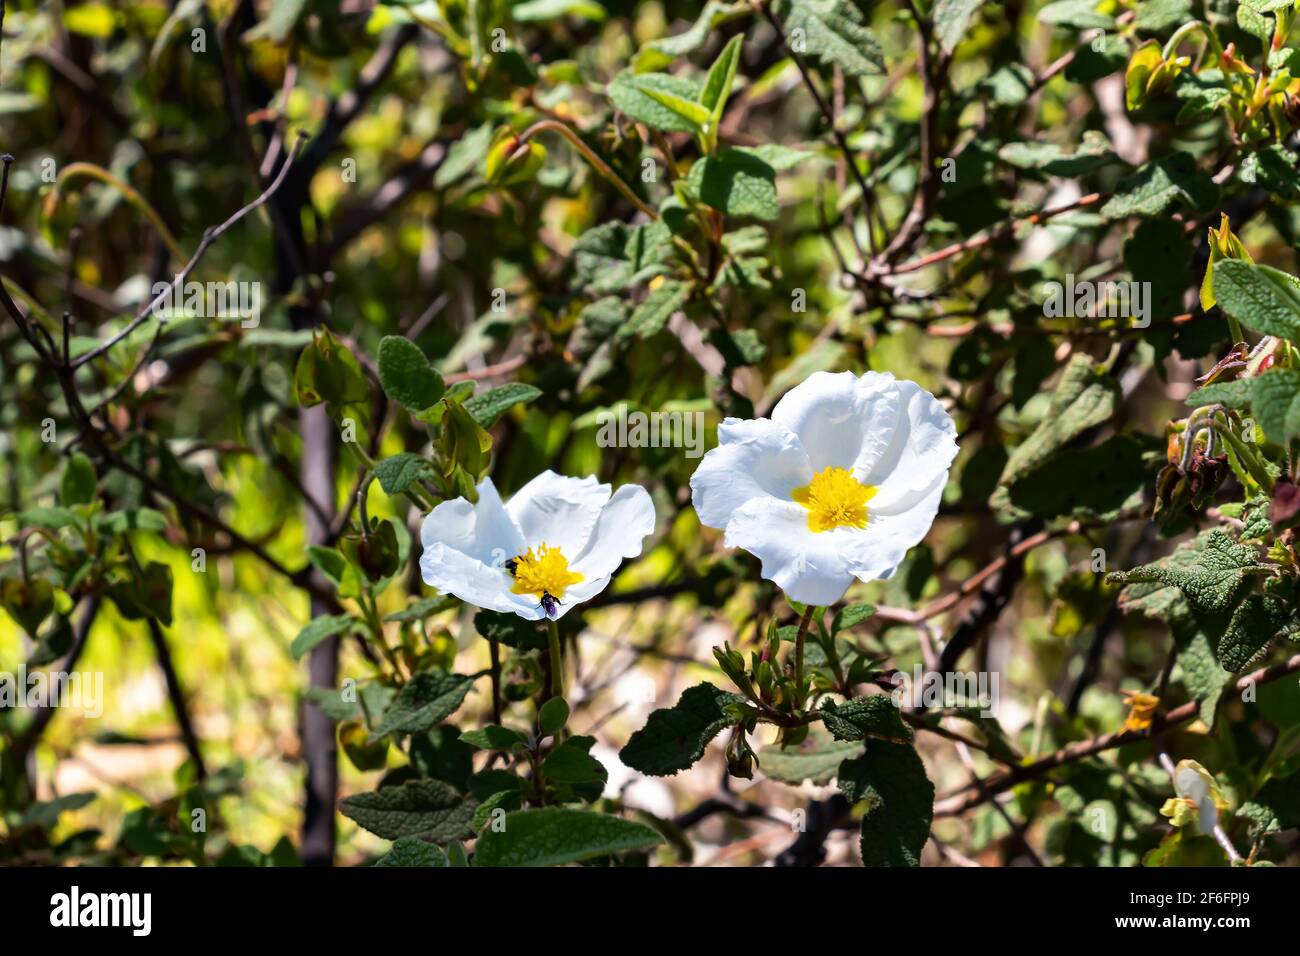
x=890, y=779
x=553, y=836
x=863, y=717
x=406, y=376
x=427, y=808
x=488, y=408
x=674, y=738
x=834, y=33
x=428, y=698
x=1261, y=298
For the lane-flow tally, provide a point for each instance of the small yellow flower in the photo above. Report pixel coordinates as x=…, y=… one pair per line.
x=1141, y=710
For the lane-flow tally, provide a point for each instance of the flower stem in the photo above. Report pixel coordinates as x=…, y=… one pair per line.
x=798, y=656
x=557, y=661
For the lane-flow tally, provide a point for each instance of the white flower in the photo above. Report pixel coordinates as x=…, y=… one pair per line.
x=838, y=484
x=1199, y=797
x=557, y=543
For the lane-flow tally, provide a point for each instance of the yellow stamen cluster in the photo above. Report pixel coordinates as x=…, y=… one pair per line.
x=835, y=499
x=543, y=570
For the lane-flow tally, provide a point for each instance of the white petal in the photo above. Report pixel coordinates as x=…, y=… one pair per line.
x=923, y=447
x=754, y=458
x=482, y=531
x=842, y=420
x=454, y=572
x=808, y=566
x=620, y=531
x=875, y=551
x=1208, y=812
x=558, y=511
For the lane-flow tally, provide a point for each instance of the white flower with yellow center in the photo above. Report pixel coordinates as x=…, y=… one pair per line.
x=838, y=484
x=556, y=544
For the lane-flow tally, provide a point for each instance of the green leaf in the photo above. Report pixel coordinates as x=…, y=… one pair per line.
x=1055, y=160
x=674, y=739
x=863, y=717
x=1262, y=298
x=850, y=617
x=552, y=716
x=1276, y=401
x=1234, y=394
x=79, y=480
x=891, y=780
x=412, y=851
x=1275, y=807
x=571, y=764
x=147, y=594
x=1154, y=16
x=693, y=114
x=614, y=256
x=654, y=311
x=45, y=813
x=951, y=18
x=1084, y=398
x=1202, y=674
x=833, y=32
x=132, y=519
x=503, y=801
x=1255, y=622
x=537, y=11
x=488, y=408
x=425, y=608
x=464, y=156
x=494, y=737
x=28, y=602
x=1210, y=577
x=630, y=93
x=1080, y=14
x=327, y=371
x=717, y=84
x=1094, y=483
x=1155, y=186
x=427, y=699
x=659, y=53
x=553, y=836
x=427, y=808
x=400, y=471
x=818, y=759
x=48, y=517
x=406, y=376
x=1273, y=168
x=440, y=754
x=737, y=183
x=510, y=630
x=318, y=630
